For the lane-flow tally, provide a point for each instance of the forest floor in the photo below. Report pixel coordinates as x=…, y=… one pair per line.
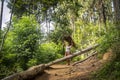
x=80, y=71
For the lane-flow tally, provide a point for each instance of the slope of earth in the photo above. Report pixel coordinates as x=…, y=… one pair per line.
x=80, y=71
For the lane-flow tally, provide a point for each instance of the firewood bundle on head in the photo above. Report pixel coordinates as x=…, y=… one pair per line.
x=69, y=39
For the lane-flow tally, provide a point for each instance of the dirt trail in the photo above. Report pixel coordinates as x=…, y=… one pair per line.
x=80, y=71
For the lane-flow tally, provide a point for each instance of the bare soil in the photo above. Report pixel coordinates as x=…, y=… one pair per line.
x=80, y=71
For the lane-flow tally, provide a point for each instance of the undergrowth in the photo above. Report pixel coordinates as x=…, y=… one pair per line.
x=111, y=70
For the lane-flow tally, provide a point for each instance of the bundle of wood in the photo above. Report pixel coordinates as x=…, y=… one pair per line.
x=69, y=39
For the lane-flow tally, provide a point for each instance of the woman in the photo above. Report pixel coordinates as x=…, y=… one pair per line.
x=67, y=51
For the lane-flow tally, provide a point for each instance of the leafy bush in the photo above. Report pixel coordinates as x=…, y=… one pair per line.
x=49, y=52
x=25, y=39
x=108, y=39
x=32, y=62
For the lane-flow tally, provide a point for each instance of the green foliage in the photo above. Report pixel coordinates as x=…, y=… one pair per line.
x=21, y=46
x=108, y=39
x=4, y=71
x=78, y=58
x=25, y=39
x=6, y=58
x=49, y=52
x=7, y=61
x=32, y=62
x=111, y=40
x=59, y=33
x=110, y=71
x=86, y=34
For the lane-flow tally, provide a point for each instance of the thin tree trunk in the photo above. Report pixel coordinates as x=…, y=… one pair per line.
x=94, y=53
x=103, y=14
x=117, y=12
x=33, y=71
x=4, y=36
x=1, y=14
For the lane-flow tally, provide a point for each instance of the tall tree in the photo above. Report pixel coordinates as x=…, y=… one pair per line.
x=4, y=36
x=1, y=14
x=117, y=12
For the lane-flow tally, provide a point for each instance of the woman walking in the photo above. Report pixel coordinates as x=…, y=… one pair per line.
x=67, y=51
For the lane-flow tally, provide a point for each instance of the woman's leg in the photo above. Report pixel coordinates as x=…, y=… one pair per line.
x=68, y=60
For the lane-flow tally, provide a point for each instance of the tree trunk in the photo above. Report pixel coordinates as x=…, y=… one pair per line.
x=4, y=36
x=71, y=56
x=117, y=12
x=35, y=70
x=93, y=54
x=28, y=74
x=1, y=14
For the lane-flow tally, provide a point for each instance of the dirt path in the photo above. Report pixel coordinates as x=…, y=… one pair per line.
x=80, y=71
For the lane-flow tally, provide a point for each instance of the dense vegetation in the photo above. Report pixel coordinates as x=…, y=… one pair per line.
x=36, y=31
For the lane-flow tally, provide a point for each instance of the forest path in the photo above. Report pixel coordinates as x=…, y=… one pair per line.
x=80, y=71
